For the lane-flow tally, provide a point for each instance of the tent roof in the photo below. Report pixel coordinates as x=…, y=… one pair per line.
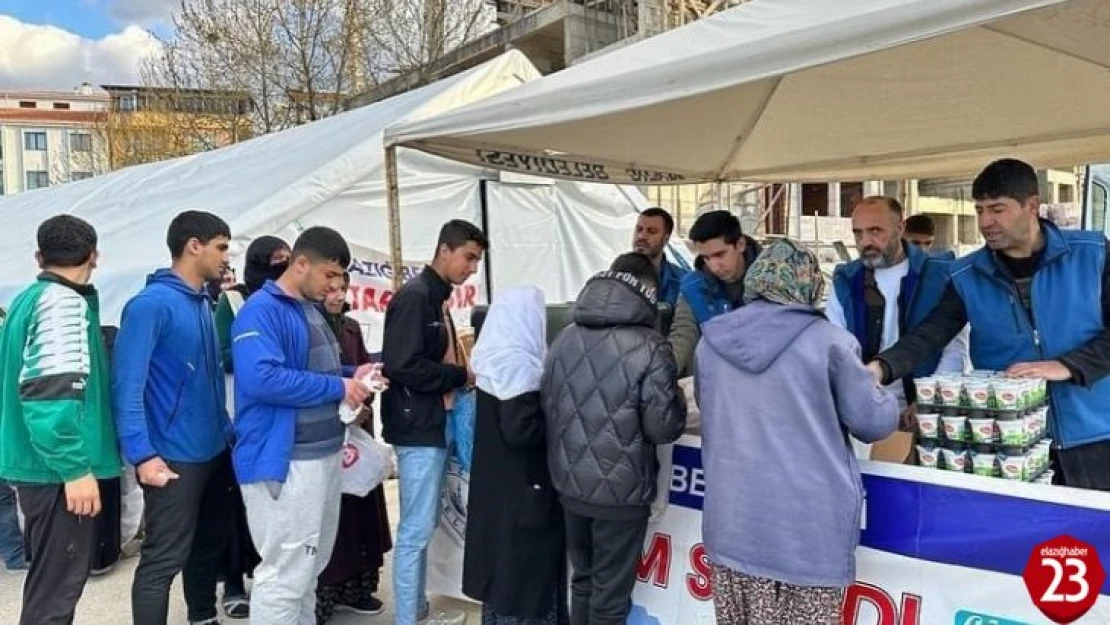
x=259, y=186
x=809, y=90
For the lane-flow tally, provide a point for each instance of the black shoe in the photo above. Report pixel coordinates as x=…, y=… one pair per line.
x=237, y=607
x=368, y=606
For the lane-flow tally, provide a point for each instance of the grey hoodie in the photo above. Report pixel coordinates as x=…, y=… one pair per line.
x=780, y=388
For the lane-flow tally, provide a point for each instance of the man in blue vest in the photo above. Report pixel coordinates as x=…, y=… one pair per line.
x=889, y=289
x=717, y=287
x=1038, y=299
x=653, y=230
x=920, y=231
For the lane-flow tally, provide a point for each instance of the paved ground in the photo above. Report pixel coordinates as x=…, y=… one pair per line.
x=107, y=599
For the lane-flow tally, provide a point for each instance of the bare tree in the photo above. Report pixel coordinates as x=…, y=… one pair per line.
x=300, y=60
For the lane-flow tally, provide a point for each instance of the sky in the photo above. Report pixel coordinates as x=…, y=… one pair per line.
x=58, y=44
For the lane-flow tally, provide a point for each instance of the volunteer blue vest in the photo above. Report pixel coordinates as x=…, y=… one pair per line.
x=706, y=294
x=1067, y=313
x=921, y=291
x=670, y=282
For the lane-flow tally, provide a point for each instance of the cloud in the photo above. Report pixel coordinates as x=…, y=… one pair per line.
x=142, y=12
x=48, y=57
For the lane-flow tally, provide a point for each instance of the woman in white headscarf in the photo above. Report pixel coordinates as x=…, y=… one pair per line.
x=515, y=558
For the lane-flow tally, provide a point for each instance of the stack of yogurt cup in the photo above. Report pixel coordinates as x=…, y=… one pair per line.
x=984, y=423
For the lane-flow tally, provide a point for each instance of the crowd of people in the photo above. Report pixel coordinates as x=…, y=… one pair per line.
x=791, y=386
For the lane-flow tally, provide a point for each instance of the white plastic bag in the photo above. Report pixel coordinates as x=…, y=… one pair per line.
x=367, y=462
x=665, y=457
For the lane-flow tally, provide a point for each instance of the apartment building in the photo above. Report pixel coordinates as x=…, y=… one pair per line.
x=50, y=137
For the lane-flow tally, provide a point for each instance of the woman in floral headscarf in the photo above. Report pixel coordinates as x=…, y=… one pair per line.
x=780, y=390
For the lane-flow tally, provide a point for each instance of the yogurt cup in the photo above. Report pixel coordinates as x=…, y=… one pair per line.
x=983, y=464
x=1013, y=467
x=982, y=430
x=926, y=391
x=954, y=460
x=1008, y=394
x=1011, y=432
x=955, y=428
x=928, y=457
x=950, y=391
x=978, y=392
x=928, y=425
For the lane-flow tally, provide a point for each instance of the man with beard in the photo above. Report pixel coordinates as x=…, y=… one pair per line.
x=653, y=229
x=168, y=396
x=889, y=289
x=1038, y=300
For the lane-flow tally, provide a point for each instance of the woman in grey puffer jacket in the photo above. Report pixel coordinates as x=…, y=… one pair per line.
x=610, y=396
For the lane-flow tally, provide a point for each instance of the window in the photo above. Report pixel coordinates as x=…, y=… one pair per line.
x=1067, y=193
x=25, y=104
x=61, y=106
x=34, y=141
x=1098, y=207
x=80, y=142
x=80, y=175
x=128, y=103
x=37, y=180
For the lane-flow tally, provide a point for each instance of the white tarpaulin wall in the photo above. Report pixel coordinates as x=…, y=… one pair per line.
x=791, y=90
x=331, y=173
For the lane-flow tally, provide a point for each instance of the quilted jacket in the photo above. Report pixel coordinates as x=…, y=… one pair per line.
x=610, y=396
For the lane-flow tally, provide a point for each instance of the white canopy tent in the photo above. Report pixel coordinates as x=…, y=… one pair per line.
x=552, y=234
x=797, y=90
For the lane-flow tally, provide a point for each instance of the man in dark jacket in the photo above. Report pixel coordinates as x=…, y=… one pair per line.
x=418, y=351
x=1038, y=300
x=716, y=287
x=609, y=396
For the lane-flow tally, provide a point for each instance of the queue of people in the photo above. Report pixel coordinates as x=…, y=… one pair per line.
x=564, y=469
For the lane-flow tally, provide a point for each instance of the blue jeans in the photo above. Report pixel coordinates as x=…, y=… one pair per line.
x=11, y=537
x=421, y=472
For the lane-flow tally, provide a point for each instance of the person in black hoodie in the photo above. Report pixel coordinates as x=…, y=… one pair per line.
x=422, y=365
x=610, y=396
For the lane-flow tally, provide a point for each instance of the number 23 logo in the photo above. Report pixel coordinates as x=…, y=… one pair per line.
x=1079, y=577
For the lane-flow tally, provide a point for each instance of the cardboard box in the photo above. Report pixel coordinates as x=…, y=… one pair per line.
x=896, y=448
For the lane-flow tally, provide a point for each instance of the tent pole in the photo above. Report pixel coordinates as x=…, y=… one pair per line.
x=483, y=199
x=393, y=198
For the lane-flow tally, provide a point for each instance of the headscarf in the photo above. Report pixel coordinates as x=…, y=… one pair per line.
x=785, y=273
x=258, y=269
x=508, y=358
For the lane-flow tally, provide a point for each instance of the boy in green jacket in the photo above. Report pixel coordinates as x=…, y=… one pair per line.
x=57, y=436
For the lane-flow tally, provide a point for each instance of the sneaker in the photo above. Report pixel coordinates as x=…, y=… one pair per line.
x=370, y=605
x=215, y=620
x=99, y=572
x=424, y=613
x=237, y=607
x=21, y=565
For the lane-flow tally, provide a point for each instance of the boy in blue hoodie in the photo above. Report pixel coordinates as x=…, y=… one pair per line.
x=289, y=383
x=168, y=396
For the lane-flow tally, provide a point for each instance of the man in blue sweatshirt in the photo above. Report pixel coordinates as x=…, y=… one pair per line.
x=289, y=383
x=168, y=396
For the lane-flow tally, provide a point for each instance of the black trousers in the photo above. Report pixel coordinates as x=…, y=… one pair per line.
x=240, y=557
x=604, y=554
x=106, y=540
x=59, y=546
x=186, y=531
x=1087, y=466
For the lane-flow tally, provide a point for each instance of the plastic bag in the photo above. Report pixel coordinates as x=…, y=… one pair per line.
x=665, y=456
x=461, y=427
x=367, y=462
